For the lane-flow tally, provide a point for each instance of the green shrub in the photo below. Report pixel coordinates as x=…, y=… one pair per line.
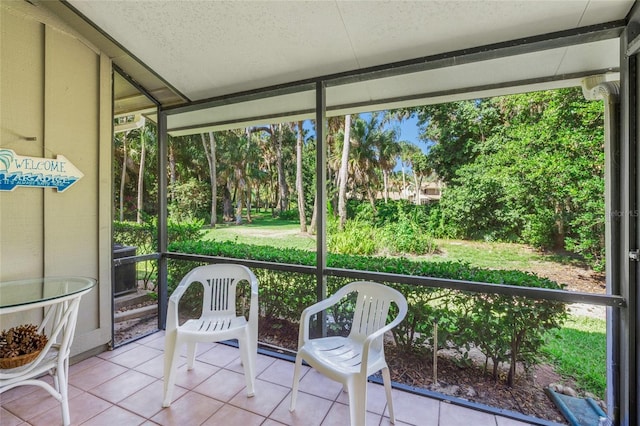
x=356, y=238
x=405, y=236
x=506, y=328
x=143, y=236
x=292, y=214
x=190, y=200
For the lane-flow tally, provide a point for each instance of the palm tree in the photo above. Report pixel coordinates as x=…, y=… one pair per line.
x=407, y=150
x=421, y=169
x=363, y=160
x=388, y=152
x=278, y=136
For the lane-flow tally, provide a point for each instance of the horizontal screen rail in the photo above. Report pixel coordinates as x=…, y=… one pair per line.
x=476, y=287
x=135, y=259
x=480, y=287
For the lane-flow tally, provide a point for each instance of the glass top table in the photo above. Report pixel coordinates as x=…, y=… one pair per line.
x=59, y=297
x=20, y=294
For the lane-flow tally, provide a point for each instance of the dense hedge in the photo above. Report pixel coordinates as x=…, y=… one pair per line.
x=143, y=236
x=507, y=329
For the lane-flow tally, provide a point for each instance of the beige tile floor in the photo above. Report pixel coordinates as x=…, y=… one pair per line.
x=124, y=387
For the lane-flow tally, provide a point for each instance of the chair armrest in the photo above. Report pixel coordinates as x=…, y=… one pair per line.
x=378, y=333
x=174, y=300
x=253, y=303
x=303, y=335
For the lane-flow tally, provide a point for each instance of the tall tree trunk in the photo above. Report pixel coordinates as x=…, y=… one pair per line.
x=385, y=181
x=239, y=195
x=314, y=215
x=124, y=174
x=283, y=190
x=418, y=188
x=248, y=204
x=172, y=173
x=342, y=178
x=143, y=154
x=258, y=200
x=558, y=242
x=239, y=210
x=299, y=186
x=227, y=207
x=404, y=184
x=372, y=198
x=210, y=152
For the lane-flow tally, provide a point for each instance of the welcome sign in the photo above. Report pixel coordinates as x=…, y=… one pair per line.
x=17, y=170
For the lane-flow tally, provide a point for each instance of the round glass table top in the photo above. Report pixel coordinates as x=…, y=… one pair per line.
x=34, y=290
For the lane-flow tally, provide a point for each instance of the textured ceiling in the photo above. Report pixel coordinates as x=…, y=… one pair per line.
x=207, y=49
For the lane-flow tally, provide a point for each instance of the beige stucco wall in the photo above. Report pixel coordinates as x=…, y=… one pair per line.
x=56, y=87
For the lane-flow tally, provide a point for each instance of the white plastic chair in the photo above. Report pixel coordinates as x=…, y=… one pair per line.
x=350, y=360
x=218, y=321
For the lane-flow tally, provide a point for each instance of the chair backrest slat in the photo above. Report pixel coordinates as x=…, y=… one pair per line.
x=219, y=293
x=371, y=311
x=219, y=283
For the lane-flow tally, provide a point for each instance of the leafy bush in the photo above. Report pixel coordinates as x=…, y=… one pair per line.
x=190, y=200
x=292, y=214
x=143, y=236
x=356, y=238
x=505, y=328
x=405, y=236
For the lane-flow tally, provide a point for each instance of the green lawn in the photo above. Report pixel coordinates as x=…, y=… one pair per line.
x=263, y=230
x=493, y=255
x=578, y=350
x=266, y=230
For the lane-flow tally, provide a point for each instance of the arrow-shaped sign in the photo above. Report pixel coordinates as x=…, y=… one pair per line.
x=16, y=170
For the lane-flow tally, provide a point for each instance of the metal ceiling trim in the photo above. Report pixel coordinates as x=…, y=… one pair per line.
x=136, y=85
x=374, y=103
x=306, y=112
x=559, y=39
x=245, y=96
x=474, y=89
x=576, y=36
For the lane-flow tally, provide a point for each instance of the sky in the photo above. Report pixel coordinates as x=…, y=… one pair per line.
x=409, y=132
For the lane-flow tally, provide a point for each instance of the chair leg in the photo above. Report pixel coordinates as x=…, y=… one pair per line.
x=248, y=364
x=296, y=380
x=386, y=379
x=191, y=354
x=357, y=390
x=171, y=356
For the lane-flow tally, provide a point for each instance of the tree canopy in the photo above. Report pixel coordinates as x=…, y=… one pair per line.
x=526, y=168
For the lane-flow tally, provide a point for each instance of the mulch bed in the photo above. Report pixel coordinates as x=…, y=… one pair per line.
x=527, y=396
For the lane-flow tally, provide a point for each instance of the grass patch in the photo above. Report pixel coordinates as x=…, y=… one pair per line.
x=578, y=350
x=263, y=230
x=279, y=233
x=493, y=255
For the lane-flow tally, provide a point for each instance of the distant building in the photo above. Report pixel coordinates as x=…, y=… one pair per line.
x=430, y=191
